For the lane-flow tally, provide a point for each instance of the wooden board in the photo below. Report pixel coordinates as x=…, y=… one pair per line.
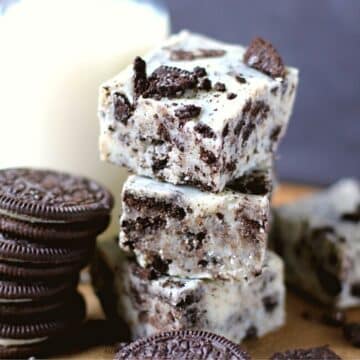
x=298, y=332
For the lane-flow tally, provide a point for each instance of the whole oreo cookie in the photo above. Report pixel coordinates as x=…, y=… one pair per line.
x=45, y=195
x=54, y=232
x=24, y=251
x=186, y=344
x=31, y=337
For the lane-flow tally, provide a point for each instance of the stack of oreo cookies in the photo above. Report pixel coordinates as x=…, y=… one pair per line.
x=49, y=222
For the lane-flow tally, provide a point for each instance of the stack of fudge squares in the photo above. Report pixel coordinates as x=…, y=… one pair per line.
x=198, y=121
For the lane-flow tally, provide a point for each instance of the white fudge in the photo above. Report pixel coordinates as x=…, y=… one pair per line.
x=195, y=113
x=182, y=231
x=234, y=309
x=319, y=239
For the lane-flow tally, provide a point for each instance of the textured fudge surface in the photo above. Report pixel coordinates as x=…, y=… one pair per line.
x=232, y=308
x=180, y=230
x=194, y=113
x=319, y=239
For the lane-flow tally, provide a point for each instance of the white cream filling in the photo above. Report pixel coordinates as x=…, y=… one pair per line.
x=4, y=301
x=13, y=342
x=29, y=218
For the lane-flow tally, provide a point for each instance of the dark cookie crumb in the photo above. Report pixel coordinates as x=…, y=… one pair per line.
x=160, y=265
x=200, y=71
x=275, y=133
x=351, y=333
x=231, y=96
x=219, y=86
x=207, y=156
x=262, y=56
x=163, y=132
x=225, y=130
x=220, y=216
x=240, y=78
x=251, y=333
x=159, y=164
x=184, y=55
x=270, y=303
x=186, y=112
x=204, y=130
x=274, y=90
x=203, y=263
x=231, y=166
x=352, y=216
x=204, y=84
x=122, y=108
x=318, y=353
x=333, y=318
x=140, y=80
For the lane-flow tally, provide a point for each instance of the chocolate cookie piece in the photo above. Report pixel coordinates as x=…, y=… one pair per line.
x=185, y=344
x=31, y=336
x=262, y=56
x=25, y=251
x=318, y=353
x=54, y=232
x=45, y=195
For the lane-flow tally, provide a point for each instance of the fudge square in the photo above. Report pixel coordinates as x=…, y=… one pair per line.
x=152, y=303
x=182, y=231
x=197, y=111
x=319, y=240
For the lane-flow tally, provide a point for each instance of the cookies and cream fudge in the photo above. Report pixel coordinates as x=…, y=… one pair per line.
x=182, y=231
x=319, y=240
x=151, y=303
x=197, y=111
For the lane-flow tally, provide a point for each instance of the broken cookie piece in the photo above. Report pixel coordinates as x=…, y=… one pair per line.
x=316, y=353
x=191, y=233
x=193, y=112
x=319, y=240
x=151, y=303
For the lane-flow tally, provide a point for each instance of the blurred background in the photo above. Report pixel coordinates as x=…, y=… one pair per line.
x=55, y=53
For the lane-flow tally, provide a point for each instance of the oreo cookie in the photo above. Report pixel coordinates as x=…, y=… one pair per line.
x=19, y=300
x=186, y=344
x=54, y=232
x=45, y=195
x=21, y=250
x=32, y=335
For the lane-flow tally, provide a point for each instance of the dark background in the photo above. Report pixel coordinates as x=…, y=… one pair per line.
x=322, y=39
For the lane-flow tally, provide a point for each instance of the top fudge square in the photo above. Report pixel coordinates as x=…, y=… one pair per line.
x=197, y=111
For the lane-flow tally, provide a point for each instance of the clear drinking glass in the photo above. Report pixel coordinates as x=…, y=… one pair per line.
x=54, y=55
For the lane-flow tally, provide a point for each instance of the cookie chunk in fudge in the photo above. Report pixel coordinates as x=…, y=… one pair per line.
x=197, y=111
x=319, y=240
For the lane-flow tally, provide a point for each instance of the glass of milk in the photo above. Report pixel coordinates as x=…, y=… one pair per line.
x=54, y=56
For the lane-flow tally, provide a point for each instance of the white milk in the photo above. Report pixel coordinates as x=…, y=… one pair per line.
x=53, y=56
